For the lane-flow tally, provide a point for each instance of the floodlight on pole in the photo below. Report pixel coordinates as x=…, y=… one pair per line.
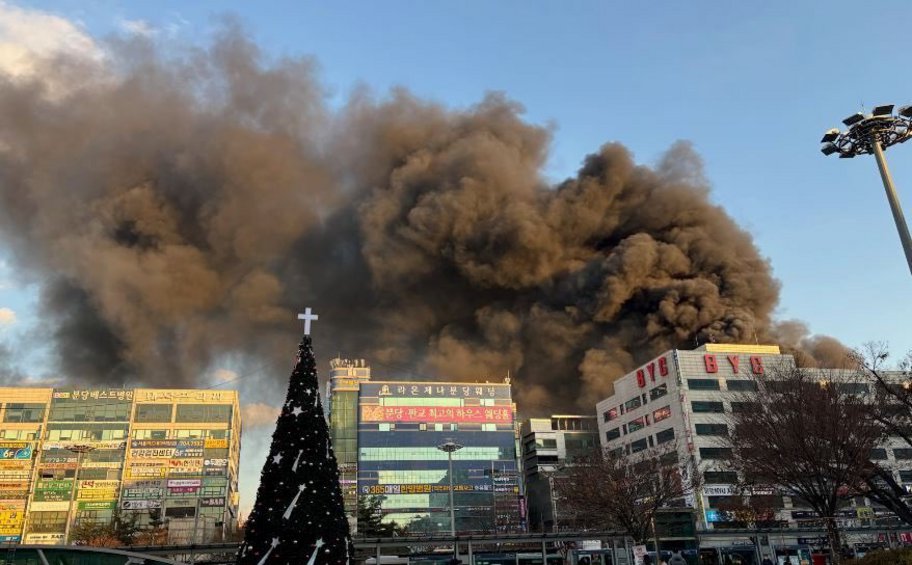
x=451, y=447
x=870, y=134
x=79, y=450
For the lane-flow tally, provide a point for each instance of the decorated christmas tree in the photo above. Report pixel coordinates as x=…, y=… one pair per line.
x=298, y=517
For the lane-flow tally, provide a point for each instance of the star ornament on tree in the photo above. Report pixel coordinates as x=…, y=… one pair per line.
x=298, y=516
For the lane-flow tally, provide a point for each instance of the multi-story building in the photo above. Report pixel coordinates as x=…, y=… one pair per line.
x=345, y=379
x=69, y=456
x=548, y=445
x=686, y=397
x=400, y=428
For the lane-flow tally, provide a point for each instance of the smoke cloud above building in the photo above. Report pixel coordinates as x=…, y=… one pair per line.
x=179, y=207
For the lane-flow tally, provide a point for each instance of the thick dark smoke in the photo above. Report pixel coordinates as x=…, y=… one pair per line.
x=180, y=209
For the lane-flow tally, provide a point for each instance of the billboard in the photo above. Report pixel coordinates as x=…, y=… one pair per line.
x=436, y=390
x=423, y=488
x=428, y=414
x=140, y=504
x=212, y=501
x=108, y=394
x=97, y=505
x=216, y=444
x=16, y=452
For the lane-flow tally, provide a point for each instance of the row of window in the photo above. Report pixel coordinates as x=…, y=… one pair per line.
x=899, y=453
x=116, y=412
x=635, y=402
x=733, y=385
x=181, y=434
x=639, y=423
x=661, y=437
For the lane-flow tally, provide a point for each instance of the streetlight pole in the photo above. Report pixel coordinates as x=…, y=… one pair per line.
x=451, y=447
x=871, y=134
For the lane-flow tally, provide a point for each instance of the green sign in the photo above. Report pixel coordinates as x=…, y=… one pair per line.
x=98, y=505
x=52, y=495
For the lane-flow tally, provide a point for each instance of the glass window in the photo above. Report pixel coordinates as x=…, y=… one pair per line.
x=146, y=413
x=633, y=403
x=878, y=454
x=661, y=414
x=715, y=452
x=720, y=477
x=611, y=414
x=711, y=429
x=613, y=434
x=852, y=388
x=742, y=406
x=637, y=424
x=150, y=434
x=665, y=436
x=24, y=412
x=47, y=521
x=638, y=446
x=741, y=385
x=902, y=453
x=704, y=406
x=703, y=384
x=547, y=443
x=203, y=413
x=905, y=476
x=658, y=392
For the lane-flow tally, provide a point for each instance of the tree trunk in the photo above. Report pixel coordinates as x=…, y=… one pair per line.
x=834, y=540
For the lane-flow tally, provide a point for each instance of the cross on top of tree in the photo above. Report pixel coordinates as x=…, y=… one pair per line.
x=298, y=516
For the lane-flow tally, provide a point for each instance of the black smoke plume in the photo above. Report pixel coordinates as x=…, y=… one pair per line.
x=179, y=208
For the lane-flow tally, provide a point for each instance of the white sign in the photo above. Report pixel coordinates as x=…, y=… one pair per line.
x=184, y=483
x=639, y=553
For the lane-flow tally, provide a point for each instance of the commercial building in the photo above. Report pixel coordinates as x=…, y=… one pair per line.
x=69, y=456
x=548, y=445
x=685, y=397
x=401, y=425
x=345, y=379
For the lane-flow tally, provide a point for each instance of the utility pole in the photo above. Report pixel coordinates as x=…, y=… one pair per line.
x=451, y=447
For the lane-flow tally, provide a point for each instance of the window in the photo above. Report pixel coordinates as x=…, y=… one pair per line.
x=670, y=458
x=661, y=414
x=715, y=452
x=633, y=403
x=150, y=434
x=638, y=446
x=712, y=429
x=24, y=413
x=146, y=413
x=47, y=521
x=705, y=406
x=637, y=424
x=547, y=443
x=902, y=453
x=742, y=406
x=878, y=454
x=720, y=477
x=852, y=388
x=703, y=384
x=658, y=392
x=905, y=476
x=610, y=414
x=724, y=501
x=665, y=436
x=742, y=386
x=203, y=412
x=613, y=434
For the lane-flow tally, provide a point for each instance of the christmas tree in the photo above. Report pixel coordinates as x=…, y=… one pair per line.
x=298, y=517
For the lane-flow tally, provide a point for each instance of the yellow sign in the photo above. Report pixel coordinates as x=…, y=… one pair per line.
x=739, y=348
x=216, y=444
x=171, y=395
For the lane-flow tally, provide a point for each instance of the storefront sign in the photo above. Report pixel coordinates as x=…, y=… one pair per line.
x=423, y=488
x=160, y=452
x=103, y=505
x=109, y=394
x=216, y=444
x=212, y=501
x=117, y=444
x=215, y=462
x=182, y=490
x=428, y=414
x=651, y=370
x=44, y=539
x=184, y=483
x=204, y=396
x=453, y=390
x=57, y=506
x=140, y=504
x=16, y=452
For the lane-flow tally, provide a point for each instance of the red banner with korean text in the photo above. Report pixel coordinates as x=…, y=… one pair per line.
x=448, y=414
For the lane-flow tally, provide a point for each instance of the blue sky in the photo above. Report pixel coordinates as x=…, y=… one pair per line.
x=752, y=85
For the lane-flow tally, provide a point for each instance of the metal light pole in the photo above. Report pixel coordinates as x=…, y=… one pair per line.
x=871, y=134
x=451, y=447
x=79, y=450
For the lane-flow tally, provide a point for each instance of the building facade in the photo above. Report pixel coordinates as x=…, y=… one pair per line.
x=69, y=456
x=401, y=424
x=686, y=397
x=549, y=444
x=345, y=379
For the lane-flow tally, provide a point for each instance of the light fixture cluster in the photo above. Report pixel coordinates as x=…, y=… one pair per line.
x=863, y=129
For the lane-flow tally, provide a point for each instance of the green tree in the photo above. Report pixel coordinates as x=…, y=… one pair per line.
x=120, y=530
x=370, y=519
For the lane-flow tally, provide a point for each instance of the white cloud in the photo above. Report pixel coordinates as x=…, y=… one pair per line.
x=27, y=36
x=138, y=27
x=259, y=414
x=7, y=317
